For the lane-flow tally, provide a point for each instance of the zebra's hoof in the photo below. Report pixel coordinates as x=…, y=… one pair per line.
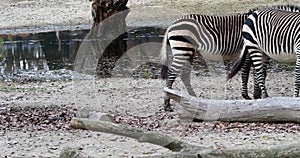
x=168, y=108
x=257, y=97
x=246, y=97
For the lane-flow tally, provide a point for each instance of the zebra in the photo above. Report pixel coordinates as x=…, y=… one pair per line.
x=215, y=37
x=271, y=34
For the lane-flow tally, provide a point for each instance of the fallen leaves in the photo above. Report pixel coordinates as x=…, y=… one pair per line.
x=30, y=118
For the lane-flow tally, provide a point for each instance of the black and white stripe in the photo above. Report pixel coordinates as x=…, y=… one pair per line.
x=271, y=34
x=217, y=38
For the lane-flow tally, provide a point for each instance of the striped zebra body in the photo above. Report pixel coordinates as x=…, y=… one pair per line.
x=272, y=34
x=216, y=38
x=208, y=34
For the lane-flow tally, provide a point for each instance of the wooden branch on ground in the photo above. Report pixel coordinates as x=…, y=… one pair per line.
x=277, y=109
x=180, y=148
x=132, y=132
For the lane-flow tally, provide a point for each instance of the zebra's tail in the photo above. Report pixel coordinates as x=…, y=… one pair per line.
x=164, y=56
x=238, y=64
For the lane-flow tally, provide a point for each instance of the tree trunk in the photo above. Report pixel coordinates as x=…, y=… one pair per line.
x=277, y=109
x=106, y=38
x=102, y=9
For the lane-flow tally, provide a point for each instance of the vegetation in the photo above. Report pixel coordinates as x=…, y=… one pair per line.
x=6, y=87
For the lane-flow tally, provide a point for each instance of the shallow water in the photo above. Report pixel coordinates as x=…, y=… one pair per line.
x=55, y=51
x=39, y=51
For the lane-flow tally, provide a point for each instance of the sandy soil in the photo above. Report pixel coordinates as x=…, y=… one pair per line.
x=140, y=97
x=48, y=15
x=137, y=97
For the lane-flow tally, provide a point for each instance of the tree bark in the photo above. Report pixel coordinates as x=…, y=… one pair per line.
x=105, y=40
x=114, y=28
x=102, y=9
x=277, y=109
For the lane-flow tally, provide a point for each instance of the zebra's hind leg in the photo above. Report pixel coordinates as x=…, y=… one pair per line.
x=259, y=64
x=245, y=77
x=170, y=80
x=257, y=90
x=297, y=76
x=186, y=78
x=178, y=64
x=172, y=75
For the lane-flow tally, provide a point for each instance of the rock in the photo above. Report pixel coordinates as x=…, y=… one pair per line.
x=82, y=113
x=100, y=116
x=68, y=152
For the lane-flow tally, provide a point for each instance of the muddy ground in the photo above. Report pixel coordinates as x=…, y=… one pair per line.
x=44, y=130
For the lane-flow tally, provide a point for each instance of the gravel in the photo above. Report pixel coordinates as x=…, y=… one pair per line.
x=35, y=112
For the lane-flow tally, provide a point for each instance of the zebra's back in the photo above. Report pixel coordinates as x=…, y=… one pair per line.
x=275, y=32
x=213, y=36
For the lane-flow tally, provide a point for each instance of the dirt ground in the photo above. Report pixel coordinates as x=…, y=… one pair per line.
x=126, y=95
x=45, y=15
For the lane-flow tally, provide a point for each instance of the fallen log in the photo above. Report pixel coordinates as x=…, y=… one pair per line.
x=276, y=109
x=180, y=148
x=132, y=132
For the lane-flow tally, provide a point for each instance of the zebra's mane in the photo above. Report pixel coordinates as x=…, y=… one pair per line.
x=291, y=8
x=192, y=16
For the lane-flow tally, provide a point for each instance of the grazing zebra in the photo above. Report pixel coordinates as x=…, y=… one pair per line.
x=217, y=38
x=271, y=34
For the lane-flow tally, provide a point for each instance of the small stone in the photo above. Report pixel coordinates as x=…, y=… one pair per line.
x=100, y=116
x=69, y=153
x=82, y=113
